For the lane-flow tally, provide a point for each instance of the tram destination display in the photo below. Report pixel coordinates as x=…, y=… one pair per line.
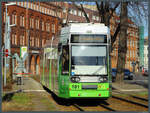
x=88, y=39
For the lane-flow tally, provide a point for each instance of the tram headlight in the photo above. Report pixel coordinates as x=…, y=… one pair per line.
x=75, y=79
x=103, y=79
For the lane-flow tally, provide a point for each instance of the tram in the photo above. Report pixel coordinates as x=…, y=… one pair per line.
x=77, y=64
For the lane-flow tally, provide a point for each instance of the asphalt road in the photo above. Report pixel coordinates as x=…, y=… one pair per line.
x=139, y=79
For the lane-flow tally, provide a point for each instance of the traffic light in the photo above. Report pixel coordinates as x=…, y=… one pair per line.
x=6, y=52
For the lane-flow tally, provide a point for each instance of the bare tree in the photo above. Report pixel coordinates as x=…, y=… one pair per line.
x=122, y=47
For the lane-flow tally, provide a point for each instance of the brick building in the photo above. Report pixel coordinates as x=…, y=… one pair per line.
x=132, y=54
x=76, y=15
x=34, y=26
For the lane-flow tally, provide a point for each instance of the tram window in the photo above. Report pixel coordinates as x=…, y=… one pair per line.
x=59, y=47
x=65, y=59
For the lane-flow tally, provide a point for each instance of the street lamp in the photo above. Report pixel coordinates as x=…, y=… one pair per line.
x=7, y=39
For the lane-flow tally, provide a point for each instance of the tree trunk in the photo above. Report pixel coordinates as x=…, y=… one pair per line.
x=122, y=47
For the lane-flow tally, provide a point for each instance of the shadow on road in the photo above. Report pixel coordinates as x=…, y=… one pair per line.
x=145, y=85
x=80, y=102
x=8, y=96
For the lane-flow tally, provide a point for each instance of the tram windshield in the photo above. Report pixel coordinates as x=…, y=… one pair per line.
x=90, y=58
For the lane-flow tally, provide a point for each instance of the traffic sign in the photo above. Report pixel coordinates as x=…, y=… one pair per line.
x=6, y=52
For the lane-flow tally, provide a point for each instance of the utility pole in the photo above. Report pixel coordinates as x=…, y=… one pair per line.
x=27, y=38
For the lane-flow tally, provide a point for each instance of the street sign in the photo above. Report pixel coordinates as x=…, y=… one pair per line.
x=23, y=51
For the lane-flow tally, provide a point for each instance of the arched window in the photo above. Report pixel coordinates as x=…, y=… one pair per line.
x=48, y=26
x=14, y=18
x=14, y=39
x=53, y=28
x=37, y=23
x=22, y=40
x=31, y=22
x=22, y=20
x=42, y=25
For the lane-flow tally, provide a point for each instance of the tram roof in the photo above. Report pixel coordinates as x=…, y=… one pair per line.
x=86, y=28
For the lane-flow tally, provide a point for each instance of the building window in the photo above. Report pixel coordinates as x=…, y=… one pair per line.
x=47, y=27
x=22, y=40
x=34, y=6
x=42, y=10
x=53, y=28
x=32, y=41
x=93, y=17
x=75, y=12
x=25, y=4
x=14, y=18
x=130, y=43
x=43, y=42
x=42, y=25
x=45, y=11
x=64, y=9
x=22, y=20
x=133, y=43
x=37, y=23
x=14, y=39
x=97, y=18
x=71, y=11
x=37, y=7
x=87, y=15
x=79, y=13
x=22, y=4
x=31, y=22
x=31, y=5
x=37, y=42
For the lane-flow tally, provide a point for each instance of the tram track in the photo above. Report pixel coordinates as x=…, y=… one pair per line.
x=78, y=107
x=133, y=96
x=107, y=108
x=129, y=101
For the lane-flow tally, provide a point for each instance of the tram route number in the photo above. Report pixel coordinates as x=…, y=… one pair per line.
x=75, y=86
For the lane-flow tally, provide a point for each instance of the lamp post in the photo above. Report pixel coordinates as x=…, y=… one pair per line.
x=7, y=39
x=28, y=38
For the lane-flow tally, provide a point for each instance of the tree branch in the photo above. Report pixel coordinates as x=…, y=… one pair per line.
x=87, y=18
x=113, y=9
x=113, y=38
x=82, y=9
x=98, y=8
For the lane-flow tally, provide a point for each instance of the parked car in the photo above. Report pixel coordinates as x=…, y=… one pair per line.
x=127, y=74
x=145, y=72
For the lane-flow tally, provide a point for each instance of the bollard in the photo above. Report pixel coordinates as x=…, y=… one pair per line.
x=19, y=81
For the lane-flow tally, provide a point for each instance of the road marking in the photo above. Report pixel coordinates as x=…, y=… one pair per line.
x=134, y=90
x=33, y=90
x=140, y=80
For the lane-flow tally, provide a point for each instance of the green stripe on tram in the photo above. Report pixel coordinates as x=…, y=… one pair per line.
x=50, y=73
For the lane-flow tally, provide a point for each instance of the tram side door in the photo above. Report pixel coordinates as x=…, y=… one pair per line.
x=64, y=78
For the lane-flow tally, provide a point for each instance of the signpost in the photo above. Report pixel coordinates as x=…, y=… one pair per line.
x=23, y=51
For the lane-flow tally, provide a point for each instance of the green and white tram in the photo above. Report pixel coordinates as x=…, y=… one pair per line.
x=77, y=65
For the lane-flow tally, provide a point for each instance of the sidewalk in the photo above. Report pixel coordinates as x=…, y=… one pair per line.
x=29, y=85
x=129, y=87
